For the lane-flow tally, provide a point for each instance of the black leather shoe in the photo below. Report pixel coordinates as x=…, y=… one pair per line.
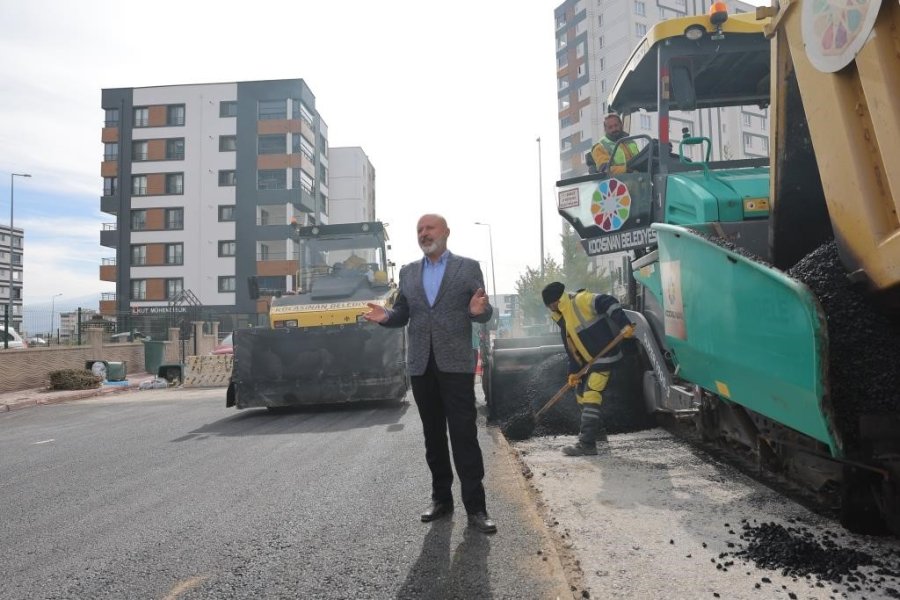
x=436, y=511
x=482, y=522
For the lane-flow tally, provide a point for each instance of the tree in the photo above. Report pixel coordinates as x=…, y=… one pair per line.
x=576, y=272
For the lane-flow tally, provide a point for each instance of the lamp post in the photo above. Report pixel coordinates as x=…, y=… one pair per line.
x=12, y=179
x=541, y=204
x=52, y=315
x=493, y=272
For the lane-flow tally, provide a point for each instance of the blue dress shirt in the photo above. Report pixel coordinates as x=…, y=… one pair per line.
x=432, y=274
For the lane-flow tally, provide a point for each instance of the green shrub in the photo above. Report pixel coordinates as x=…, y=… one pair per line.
x=73, y=379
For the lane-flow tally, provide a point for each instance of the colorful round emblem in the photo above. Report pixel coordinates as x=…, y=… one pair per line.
x=611, y=205
x=834, y=31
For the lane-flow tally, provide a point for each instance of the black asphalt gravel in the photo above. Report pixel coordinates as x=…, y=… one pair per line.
x=863, y=343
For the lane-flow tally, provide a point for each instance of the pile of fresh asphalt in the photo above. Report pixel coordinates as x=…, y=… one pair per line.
x=818, y=559
x=622, y=409
x=863, y=343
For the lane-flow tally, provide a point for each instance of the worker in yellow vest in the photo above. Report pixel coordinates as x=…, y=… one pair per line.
x=602, y=150
x=588, y=322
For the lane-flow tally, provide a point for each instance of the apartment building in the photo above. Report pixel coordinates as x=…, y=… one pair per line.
x=351, y=186
x=594, y=39
x=203, y=182
x=11, y=259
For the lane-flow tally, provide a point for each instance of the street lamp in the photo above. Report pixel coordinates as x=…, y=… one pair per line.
x=12, y=179
x=541, y=204
x=493, y=272
x=52, y=314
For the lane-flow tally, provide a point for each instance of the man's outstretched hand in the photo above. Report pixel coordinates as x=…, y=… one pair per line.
x=376, y=314
x=479, y=303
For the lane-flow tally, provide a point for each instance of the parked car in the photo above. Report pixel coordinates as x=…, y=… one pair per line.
x=15, y=340
x=37, y=341
x=226, y=346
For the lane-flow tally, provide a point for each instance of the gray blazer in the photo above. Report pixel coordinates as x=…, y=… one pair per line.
x=446, y=327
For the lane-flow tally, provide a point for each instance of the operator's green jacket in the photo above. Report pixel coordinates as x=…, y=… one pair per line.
x=602, y=150
x=588, y=322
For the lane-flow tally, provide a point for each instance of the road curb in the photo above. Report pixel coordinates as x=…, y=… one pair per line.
x=46, y=397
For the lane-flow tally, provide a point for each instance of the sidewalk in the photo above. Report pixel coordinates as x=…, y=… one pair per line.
x=33, y=397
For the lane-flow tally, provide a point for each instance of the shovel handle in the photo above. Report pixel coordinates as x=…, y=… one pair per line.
x=562, y=391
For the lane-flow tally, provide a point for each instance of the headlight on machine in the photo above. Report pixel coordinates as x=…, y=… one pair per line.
x=291, y=323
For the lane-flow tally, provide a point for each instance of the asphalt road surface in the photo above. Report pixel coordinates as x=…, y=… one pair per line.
x=168, y=494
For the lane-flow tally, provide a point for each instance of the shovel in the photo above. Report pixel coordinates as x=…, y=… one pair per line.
x=516, y=427
x=562, y=391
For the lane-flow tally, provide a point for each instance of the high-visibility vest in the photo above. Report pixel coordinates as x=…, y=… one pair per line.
x=624, y=152
x=586, y=331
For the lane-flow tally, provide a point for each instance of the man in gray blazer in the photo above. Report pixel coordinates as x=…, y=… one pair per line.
x=440, y=297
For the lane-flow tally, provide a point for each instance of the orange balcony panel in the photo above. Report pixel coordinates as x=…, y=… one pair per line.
x=108, y=273
x=109, y=135
x=271, y=268
x=262, y=306
x=156, y=116
x=270, y=126
x=108, y=308
x=156, y=289
x=156, y=149
x=306, y=130
x=273, y=161
x=108, y=168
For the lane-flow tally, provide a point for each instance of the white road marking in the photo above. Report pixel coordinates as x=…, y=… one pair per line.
x=43, y=442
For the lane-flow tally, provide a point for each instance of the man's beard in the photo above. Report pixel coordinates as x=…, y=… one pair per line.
x=434, y=246
x=616, y=136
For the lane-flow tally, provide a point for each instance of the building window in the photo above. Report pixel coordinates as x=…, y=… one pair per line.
x=111, y=151
x=274, y=283
x=138, y=185
x=141, y=116
x=581, y=71
x=175, y=114
x=263, y=217
x=645, y=121
x=175, y=254
x=272, y=179
x=302, y=145
x=175, y=183
x=138, y=220
x=139, y=150
x=748, y=120
x=599, y=41
x=138, y=289
x=174, y=287
x=272, y=144
x=174, y=218
x=600, y=20
x=175, y=149
x=602, y=63
x=301, y=179
x=110, y=186
x=227, y=248
x=228, y=108
x=263, y=252
x=226, y=213
x=138, y=255
x=639, y=8
x=301, y=112
x=602, y=85
x=227, y=178
x=111, y=118
x=227, y=143
x=226, y=284
x=272, y=109
x=562, y=62
x=640, y=29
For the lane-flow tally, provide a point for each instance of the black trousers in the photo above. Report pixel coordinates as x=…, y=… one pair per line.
x=447, y=401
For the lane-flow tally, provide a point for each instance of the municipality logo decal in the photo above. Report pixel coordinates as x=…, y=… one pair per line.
x=611, y=205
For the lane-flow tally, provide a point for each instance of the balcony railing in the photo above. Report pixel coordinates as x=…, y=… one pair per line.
x=108, y=262
x=109, y=227
x=107, y=297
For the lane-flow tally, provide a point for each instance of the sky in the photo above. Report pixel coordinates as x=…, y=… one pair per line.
x=446, y=99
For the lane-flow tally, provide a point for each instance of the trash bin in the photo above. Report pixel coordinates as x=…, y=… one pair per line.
x=115, y=371
x=153, y=355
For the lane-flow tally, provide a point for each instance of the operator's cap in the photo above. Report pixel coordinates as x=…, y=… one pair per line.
x=552, y=292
